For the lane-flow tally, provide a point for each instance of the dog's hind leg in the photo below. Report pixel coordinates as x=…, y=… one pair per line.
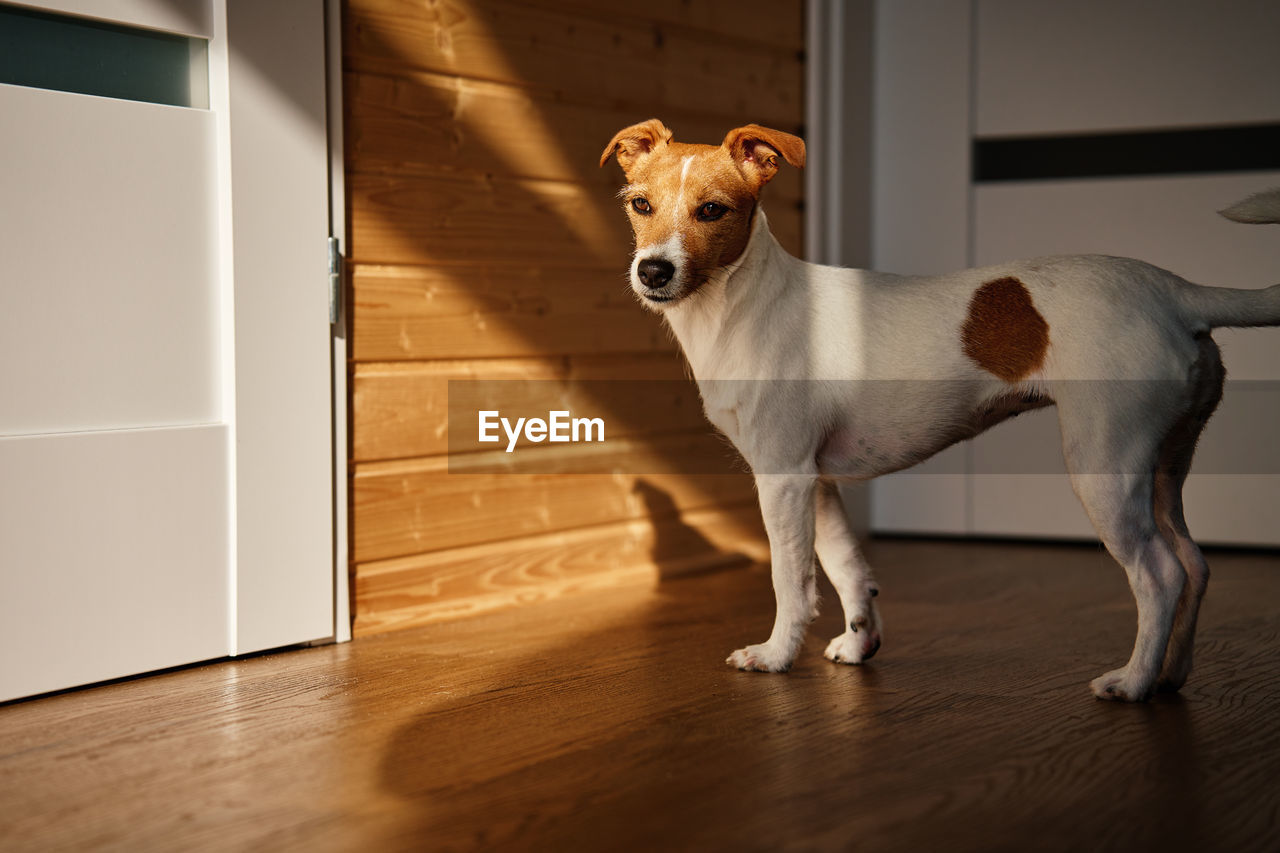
x=1175, y=461
x=786, y=501
x=1112, y=466
x=849, y=573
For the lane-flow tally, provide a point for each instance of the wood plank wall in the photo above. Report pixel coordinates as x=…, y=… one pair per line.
x=485, y=242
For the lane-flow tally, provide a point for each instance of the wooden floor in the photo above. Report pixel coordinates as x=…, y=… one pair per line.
x=609, y=721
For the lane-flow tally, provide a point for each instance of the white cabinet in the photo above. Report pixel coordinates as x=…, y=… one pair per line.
x=1235, y=484
x=1035, y=68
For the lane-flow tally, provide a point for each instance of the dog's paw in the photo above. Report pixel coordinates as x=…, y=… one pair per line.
x=1118, y=686
x=853, y=648
x=861, y=639
x=760, y=658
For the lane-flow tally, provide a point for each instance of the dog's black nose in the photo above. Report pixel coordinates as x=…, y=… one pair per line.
x=655, y=273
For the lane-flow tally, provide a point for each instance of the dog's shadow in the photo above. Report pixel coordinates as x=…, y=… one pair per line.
x=568, y=731
x=543, y=701
x=679, y=549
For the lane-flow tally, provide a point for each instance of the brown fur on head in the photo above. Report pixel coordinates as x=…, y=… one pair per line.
x=692, y=206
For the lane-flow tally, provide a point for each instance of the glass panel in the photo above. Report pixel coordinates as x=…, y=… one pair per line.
x=77, y=55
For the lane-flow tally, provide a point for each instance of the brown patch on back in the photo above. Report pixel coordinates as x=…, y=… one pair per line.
x=1004, y=333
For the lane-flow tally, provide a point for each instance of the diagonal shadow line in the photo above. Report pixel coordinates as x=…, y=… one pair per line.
x=544, y=138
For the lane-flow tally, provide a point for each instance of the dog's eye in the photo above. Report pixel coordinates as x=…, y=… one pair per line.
x=711, y=211
x=641, y=205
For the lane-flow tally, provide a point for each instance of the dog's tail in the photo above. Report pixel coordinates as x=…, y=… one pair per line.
x=1224, y=306
x=1258, y=209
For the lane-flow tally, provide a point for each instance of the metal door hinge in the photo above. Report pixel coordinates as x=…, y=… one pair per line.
x=335, y=280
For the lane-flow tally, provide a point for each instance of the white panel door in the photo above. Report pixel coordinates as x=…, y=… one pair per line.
x=128, y=397
x=1027, y=68
x=1019, y=486
x=1045, y=68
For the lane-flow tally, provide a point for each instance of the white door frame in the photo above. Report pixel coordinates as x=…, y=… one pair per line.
x=277, y=139
x=338, y=314
x=837, y=179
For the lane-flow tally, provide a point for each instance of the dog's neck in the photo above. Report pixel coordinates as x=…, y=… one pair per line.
x=699, y=321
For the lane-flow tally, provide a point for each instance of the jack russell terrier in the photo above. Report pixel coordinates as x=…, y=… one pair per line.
x=783, y=352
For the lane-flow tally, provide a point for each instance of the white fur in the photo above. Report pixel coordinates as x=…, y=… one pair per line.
x=850, y=374
x=677, y=210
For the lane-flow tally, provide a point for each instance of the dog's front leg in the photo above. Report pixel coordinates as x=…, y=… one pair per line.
x=786, y=501
x=849, y=573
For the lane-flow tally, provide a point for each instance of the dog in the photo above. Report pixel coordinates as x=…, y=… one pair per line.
x=821, y=374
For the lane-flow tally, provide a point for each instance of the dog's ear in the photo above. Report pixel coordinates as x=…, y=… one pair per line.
x=636, y=142
x=755, y=151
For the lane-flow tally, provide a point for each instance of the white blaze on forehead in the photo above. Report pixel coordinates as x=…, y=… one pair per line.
x=684, y=173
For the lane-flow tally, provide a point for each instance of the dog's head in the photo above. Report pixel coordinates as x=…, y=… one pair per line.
x=692, y=206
